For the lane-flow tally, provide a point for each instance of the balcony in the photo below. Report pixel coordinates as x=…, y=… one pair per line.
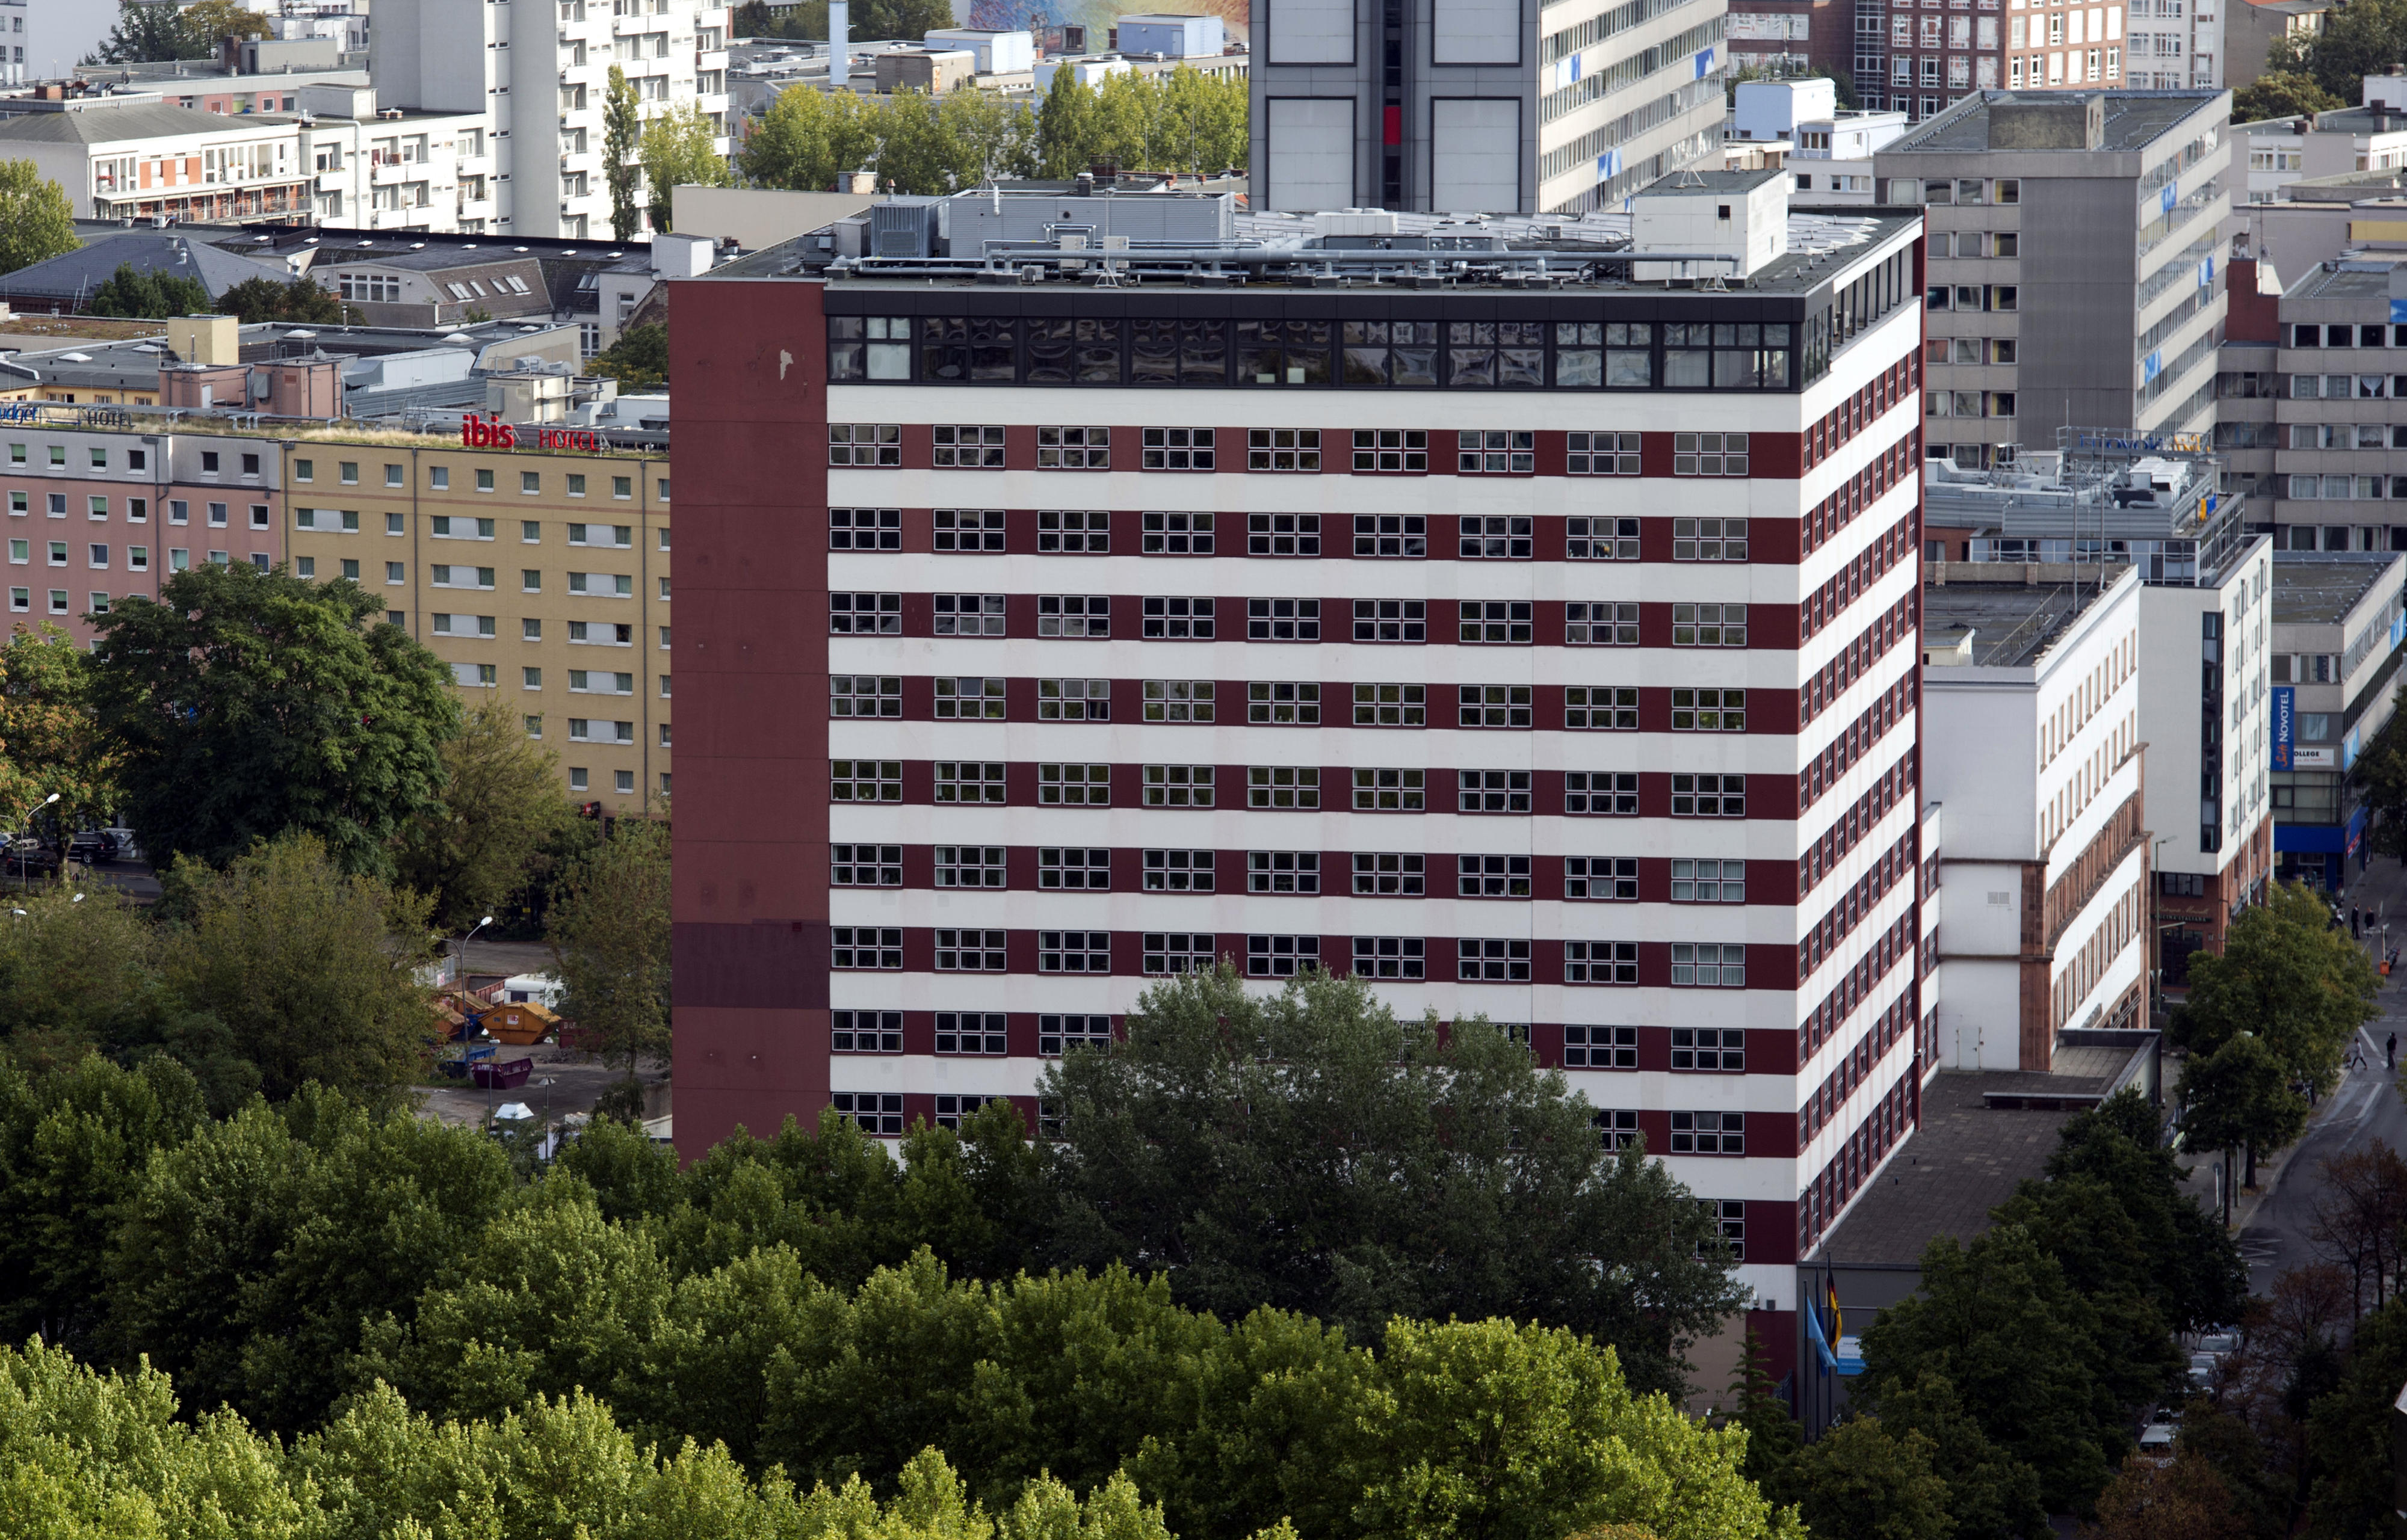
x=476, y=166
x=394, y=173
x=475, y=209
x=334, y=179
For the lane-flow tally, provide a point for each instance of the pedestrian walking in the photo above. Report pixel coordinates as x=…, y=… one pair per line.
x=2355, y=923
x=2390, y=1052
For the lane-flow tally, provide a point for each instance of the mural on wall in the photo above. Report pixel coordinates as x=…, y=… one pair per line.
x=1097, y=16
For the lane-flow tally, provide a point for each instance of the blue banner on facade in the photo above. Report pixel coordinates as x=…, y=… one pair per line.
x=2284, y=720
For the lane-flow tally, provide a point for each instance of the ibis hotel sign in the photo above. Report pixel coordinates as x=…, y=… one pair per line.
x=478, y=432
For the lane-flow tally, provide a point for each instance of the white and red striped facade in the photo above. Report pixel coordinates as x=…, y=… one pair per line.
x=1677, y=843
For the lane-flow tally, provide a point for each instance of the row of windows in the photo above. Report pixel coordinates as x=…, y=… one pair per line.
x=1698, y=965
x=1107, y=350
x=1388, y=874
x=137, y=509
x=1586, y=793
x=984, y=532
x=439, y=478
x=1260, y=703
x=1088, y=618
x=1392, y=450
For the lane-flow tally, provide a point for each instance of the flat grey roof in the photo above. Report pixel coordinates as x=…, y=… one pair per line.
x=1966, y=1159
x=2011, y=623
x=102, y=123
x=2320, y=587
x=2134, y=118
x=1705, y=182
x=2356, y=278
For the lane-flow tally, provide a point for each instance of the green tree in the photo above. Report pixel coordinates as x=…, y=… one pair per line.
x=50, y=741
x=78, y=971
x=751, y=19
x=905, y=20
x=262, y=299
x=918, y=150
x=623, y=130
x=2288, y=975
x=677, y=152
x=2359, y=40
x=209, y=23
x=2350, y=1437
x=501, y=802
x=1309, y=1152
x=250, y=702
x=302, y=962
x=1860, y=1482
x=2290, y=95
x=2240, y=1097
x=1998, y=1320
x=639, y=359
x=808, y=138
x=1068, y=127
x=145, y=34
x=37, y=220
x=2179, y=1499
x=1990, y=1494
x=609, y=935
x=1203, y=123
x=147, y=296
x=1773, y=1436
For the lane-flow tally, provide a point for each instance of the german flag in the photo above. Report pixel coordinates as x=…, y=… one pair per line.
x=1831, y=1297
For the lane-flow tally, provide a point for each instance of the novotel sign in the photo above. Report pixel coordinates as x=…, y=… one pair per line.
x=478, y=432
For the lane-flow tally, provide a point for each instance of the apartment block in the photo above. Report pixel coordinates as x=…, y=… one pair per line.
x=1923, y=59
x=2108, y=203
x=1481, y=104
x=1537, y=650
x=540, y=69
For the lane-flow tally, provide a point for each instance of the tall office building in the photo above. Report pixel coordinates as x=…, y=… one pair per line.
x=1539, y=648
x=541, y=69
x=1496, y=105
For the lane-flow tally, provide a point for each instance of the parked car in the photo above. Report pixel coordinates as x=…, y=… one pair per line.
x=127, y=849
x=2157, y=1439
x=2202, y=1370
x=29, y=858
x=2220, y=1341
x=92, y=845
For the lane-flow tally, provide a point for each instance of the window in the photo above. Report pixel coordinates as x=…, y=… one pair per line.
x=1493, y=791
x=528, y=678
x=1073, y=870
x=1709, y=1132
x=863, y=866
x=1283, y=449
x=1587, y=624
x=1282, y=871
x=1601, y=877
x=1390, y=449
x=484, y=480
x=880, y=1115
x=1600, y=794
x=970, y=700
x=1600, y=962
x=864, y=946
x=970, y=866
x=1602, y=1048
x=1056, y=1035
x=864, y=695
x=1388, y=790
x=1495, y=539
x=1392, y=705
x=1708, y=711
x=1510, y=452
x=1404, y=535
x=1490, y=621
x=1172, y=619
x=974, y=1031
x=1618, y=1128
x=1283, y=786
x=1600, y=455
x=1073, y=615
x=1708, y=965
x=1391, y=620
x=1174, y=953
x=967, y=615
x=1694, y=1048
x=624, y=487
x=1494, y=706
x=1074, y=449
x=867, y=781
x=1070, y=700
x=442, y=526
x=1709, y=539
x=395, y=523
x=1284, y=705
x=871, y=348
x=1073, y=785
x=1282, y=534
x=1391, y=957
x=1708, y=882
x=1709, y=454
x=968, y=448
x=1073, y=533
x=1177, y=449
x=865, y=1031
x=863, y=443
x=1177, y=534
x=1177, y=785
x=1491, y=876
x=1708, y=625
x=965, y=529
x=1282, y=620
x=1708, y=796
x=965, y=781
x=1178, y=699
x=1600, y=708
x=1177, y=872
x=1280, y=956
x=1073, y=952
x=1729, y=1216
x=970, y=952
x=1494, y=960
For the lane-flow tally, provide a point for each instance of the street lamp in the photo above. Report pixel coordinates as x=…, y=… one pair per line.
x=463, y=981
x=22, y=877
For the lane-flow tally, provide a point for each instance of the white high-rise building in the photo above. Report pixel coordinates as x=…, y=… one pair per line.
x=541, y=69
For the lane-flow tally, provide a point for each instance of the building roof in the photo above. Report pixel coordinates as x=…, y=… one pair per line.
x=2134, y=118
x=2355, y=278
x=2012, y=624
x=2359, y=120
x=2320, y=587
x=1707, y=183
x=90, y=122
x=1966, y=1159
x=77, y=272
